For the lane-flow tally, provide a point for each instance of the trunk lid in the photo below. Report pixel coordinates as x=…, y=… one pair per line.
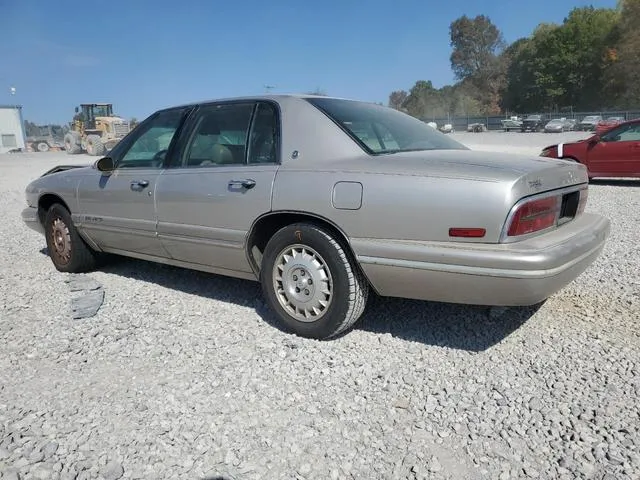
x=528, y=174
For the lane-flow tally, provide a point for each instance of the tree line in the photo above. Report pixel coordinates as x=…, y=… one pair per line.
x=591, y=61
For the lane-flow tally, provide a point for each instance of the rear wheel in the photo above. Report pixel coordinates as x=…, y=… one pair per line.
x=43, y=147
x=310, y=282
x=67, y=250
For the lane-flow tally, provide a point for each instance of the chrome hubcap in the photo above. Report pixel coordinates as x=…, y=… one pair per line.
x=61, y=240
x=303, y=283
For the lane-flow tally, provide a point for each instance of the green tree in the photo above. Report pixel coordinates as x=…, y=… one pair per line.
x=561, y=65
x=476, y=57
x=419, y=98
x=397, y=99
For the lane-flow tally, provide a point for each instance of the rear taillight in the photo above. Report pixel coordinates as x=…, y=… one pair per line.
x=534, y=216
x=584, y=196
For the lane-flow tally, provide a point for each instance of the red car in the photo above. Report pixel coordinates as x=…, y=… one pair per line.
x=610, y=122
x=614, y=153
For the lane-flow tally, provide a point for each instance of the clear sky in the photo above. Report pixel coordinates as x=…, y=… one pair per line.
x=142, y=55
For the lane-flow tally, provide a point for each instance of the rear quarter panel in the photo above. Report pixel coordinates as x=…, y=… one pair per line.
x=399, y=207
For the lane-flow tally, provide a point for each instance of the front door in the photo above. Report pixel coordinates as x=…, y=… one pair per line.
x=117, y=208
x=207, y=203
x=617, y=154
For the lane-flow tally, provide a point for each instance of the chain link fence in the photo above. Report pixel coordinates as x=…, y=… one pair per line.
x=495, y=122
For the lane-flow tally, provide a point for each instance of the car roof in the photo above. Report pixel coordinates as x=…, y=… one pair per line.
x=628, y=122
x=275, y=96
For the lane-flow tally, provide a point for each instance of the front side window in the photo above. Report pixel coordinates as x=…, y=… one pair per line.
x=383, y=130
x=626, y=133
x=152, y=142
x=220, y=135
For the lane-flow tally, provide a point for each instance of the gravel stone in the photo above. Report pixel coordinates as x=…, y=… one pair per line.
x=87, y=304
x=112, y=471
x=80, y=282
x=182, y=374
x=10, y=474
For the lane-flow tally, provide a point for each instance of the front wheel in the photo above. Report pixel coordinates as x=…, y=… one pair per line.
x=67, y=250
x=310, y=282
x=95, y=146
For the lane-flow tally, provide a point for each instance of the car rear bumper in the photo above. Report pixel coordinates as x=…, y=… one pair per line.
x=31, y=219
x=515, y=274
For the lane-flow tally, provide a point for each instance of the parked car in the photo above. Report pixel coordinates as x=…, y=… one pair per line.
x=533, y=123
x=572, y=123
x=610, y=122
x=513, y=123
x=589, y=123
x=476, y=127
x=322, y=200
x=559, y=125
x=447, y=128
x=615, y=153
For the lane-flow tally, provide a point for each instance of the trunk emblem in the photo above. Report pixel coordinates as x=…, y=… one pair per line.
x=537, y=183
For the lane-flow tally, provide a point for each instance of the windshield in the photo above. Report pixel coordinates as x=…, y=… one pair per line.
x=555, y=122
x=590, y=119
x=534, y=117
x=381, y=129
x=101, y=111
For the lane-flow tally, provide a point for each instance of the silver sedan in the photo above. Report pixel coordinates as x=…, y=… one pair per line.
x=323, y=200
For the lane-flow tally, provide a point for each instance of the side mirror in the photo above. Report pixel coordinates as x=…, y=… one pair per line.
x=105, y=164
x=593, y=141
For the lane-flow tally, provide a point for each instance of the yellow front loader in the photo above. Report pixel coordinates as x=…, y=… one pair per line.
x=95, y=129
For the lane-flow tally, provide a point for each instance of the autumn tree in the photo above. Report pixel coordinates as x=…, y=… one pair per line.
x=622, y=59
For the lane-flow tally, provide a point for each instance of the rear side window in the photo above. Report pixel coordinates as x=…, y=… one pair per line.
x=263, y=143
x=383, y=130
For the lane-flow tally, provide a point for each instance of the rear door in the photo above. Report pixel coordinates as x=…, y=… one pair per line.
x=617, y=154
x=222, y=182
x=117, y=208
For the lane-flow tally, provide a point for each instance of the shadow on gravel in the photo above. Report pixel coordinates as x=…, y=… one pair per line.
x=615, y=182
x=463, y=327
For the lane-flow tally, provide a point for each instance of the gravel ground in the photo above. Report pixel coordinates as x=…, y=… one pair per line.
x=183, y=375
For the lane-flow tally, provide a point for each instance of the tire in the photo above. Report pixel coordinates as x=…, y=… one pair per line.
x=326, y=262
x=95, y=146
x=72, y=143
x=43, y=147
x=67, y=250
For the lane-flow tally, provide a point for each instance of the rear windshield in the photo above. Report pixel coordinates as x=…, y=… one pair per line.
x=381, y=130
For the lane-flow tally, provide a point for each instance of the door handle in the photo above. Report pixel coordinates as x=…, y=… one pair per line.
x=139, y=183
x=246, y=183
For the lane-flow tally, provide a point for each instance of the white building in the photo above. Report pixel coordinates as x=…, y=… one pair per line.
x=12, y=135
